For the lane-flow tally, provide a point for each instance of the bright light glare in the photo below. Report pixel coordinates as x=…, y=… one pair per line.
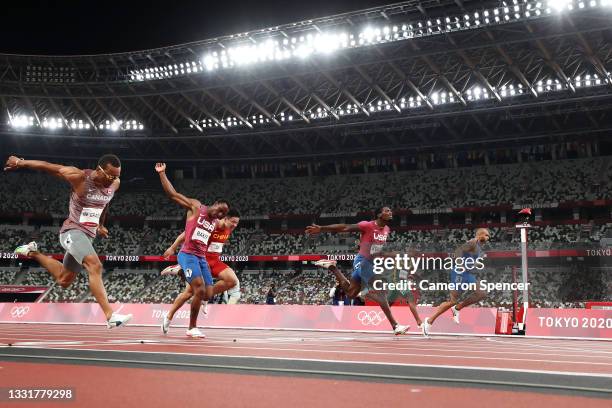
x=559, y=5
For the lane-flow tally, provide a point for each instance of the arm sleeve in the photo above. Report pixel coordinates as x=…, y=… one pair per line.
x=364, y=226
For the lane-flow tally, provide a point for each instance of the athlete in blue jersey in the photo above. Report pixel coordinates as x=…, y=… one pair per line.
x=471, y=254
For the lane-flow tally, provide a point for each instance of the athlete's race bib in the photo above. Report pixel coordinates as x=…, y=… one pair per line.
x=90, y=217
x=216, y=247
x=201, y=235
x=374, y=249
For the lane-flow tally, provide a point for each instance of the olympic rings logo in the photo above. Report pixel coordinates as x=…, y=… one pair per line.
x=18, y=312
x=371, y=318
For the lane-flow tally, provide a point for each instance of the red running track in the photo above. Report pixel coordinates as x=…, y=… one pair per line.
x=574, y=356
x=283, y=366
x=103, y=387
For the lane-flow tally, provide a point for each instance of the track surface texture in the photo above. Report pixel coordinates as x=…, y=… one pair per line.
x=136, y=365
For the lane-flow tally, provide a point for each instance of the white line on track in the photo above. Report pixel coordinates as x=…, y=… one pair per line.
x=343, y=362
x=211, y=341
x=465, y=348
x=372, y=342
x=370, y=354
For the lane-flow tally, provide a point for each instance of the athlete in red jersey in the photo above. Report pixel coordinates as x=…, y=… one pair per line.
x=92, y=190
x=199, y=226
x=227, y=279
x=373, y=238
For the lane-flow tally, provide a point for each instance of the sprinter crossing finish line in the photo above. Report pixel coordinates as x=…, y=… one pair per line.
x=92, y=190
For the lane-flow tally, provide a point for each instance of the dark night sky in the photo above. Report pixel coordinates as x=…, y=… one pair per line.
x=89, y=26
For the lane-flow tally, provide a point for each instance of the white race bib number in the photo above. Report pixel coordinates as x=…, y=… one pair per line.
x=90, y=217
x=374, y=249
x=216, y=247
x=201, y=235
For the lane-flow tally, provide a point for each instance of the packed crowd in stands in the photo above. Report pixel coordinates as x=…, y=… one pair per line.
x=399, y=183
x=531, y=182
x=251, y=241
x=549, y=286
x=125, y=286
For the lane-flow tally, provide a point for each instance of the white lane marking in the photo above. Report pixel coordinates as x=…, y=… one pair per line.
x=295, y=350
x=476, y=349
x=466, y=348
x=345, y=362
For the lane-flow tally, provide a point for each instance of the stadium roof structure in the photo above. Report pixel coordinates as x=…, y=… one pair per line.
x=410, y=75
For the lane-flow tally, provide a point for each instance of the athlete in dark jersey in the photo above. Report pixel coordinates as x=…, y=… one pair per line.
x=199, y=226
x=470, y=250
x=92, y=190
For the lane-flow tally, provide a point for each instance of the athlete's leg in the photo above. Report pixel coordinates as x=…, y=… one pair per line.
x=344, y=283
x=227, y=280
x=234, y=294
x=444, y=306
x=62, y=276
x=207, y=278
x=415, y=312
x=192, y=268
x=474, y=297
x=199, y=293
x=94, y=268
x=381, y=299
x=80, y=252
x=180, y=300
x=352, y=291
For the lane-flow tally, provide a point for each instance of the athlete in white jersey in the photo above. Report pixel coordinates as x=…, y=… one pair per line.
x=92, y=190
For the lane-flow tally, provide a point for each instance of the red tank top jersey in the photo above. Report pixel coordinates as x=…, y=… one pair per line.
x=217, y=240
x=198, y=231
x=84, y=210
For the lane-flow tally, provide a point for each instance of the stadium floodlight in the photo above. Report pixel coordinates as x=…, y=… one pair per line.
x=368, y=34
x=303, y=51
x=560, y=5
x=209, y=62
x=303, y=46
x=327, y=43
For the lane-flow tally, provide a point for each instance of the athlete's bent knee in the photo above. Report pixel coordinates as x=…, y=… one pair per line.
x=93, y=265
x=231, y=282
x=200, y=292
x=65, y=282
